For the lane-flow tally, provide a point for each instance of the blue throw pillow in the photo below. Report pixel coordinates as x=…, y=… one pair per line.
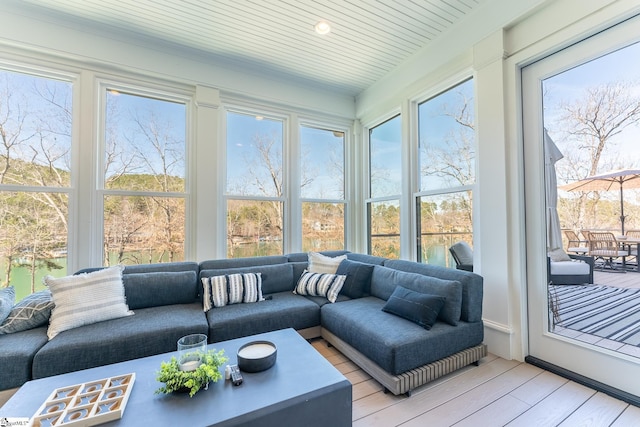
x=358, y=283
x=7, y=298
x=32, y=311
x=417, y=307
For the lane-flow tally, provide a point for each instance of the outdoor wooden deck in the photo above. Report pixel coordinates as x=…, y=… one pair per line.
x=628, y=279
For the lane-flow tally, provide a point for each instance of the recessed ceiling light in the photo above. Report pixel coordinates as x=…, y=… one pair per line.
x=259, y=117
x=322, y=27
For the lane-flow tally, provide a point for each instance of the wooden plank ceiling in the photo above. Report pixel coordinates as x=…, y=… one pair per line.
x=368, y=38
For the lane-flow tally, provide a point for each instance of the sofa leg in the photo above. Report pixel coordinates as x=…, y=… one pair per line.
x=385, y=391
x=329, y=345
x=476, y=363
x=408, y=394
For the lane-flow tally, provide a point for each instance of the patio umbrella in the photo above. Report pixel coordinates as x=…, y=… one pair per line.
x=608, y=181
x=551, y=155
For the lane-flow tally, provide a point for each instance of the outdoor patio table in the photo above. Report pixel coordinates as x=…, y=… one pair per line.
x=626, y=242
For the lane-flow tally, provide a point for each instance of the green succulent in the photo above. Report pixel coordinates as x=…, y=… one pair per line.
x=176, y=380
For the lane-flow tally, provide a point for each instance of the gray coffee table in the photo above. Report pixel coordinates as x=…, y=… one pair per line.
x=302, y=388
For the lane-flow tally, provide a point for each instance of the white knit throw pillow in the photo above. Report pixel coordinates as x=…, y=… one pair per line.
x=86, y=298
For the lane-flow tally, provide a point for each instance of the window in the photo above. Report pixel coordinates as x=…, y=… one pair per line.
x=385, y=187
x=144, y=184
x=254, y=186
x=35, y=179
x=446, y=135
x=322, y=189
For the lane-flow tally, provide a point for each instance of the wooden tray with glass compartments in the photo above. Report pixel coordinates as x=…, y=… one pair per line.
x=86, y=404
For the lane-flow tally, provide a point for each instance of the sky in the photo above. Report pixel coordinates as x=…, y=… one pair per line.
x=169, y=118
x=322, y=152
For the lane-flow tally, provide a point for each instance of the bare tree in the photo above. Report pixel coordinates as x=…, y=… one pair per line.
x=591, y=124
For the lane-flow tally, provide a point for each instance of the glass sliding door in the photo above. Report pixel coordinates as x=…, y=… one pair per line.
x=581, y=109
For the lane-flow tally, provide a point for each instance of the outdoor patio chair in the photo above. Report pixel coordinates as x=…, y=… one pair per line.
x=576, y=244
x=605, y=246
x=577, y=271
x=463, y=255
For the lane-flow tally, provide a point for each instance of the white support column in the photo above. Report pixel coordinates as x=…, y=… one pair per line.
x=356, y=194
x=208, y=157
x=293, y=212
x=407, y=225
x=84, y=239
x=491, y=231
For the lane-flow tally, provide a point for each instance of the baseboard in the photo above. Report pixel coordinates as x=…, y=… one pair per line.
x=632, y=399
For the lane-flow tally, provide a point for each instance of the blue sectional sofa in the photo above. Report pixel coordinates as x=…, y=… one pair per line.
x=167, y=302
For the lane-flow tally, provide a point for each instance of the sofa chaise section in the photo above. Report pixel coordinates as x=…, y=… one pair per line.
x=400, y=354
x=18, y=350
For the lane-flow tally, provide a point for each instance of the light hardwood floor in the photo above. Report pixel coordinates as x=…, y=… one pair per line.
x=498, y=392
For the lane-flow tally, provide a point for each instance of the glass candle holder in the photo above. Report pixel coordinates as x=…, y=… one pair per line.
x=191, y=348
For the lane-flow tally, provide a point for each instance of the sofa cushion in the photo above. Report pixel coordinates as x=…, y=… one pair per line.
x=367, y=259
x=153, y=330
x=155, y=289
x=228, y=263
x=320, y=285
x=150, y=268
x=358, y=283
x=417, y=307
x=278, y=311
x=384, y=281
x=472, y=284
x=86, y=298
x=7, y=299
x=275, y=278
x=319, y=263
x=16, y=356
x=231, y=289
x=559, y=255
x=362, y=324
x=31, y=312
x=571, y=267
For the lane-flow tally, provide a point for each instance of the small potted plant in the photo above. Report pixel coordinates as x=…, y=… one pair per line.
x=177, y=380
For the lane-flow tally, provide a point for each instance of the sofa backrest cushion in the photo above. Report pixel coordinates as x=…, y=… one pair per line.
x=384, y=281
x=216, y=264
x=472, y=284
x=275, y=278
x=160, y=288
x=367, y=259
x=358, y=283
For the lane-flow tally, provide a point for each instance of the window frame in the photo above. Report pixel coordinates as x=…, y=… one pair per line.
x=369, y=200
x=151, y=90
x=418, y=193
x=346, y=171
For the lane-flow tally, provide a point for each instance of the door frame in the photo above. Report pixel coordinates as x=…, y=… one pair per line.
x=607, y=367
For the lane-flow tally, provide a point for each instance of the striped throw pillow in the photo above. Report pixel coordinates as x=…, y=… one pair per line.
x=86, y=298
x=320, y=285
x=219, y=291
